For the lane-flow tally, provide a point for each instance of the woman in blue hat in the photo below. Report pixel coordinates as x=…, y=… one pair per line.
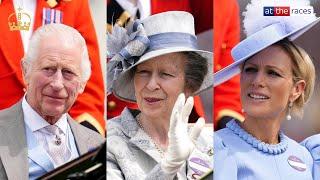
x=276, y=80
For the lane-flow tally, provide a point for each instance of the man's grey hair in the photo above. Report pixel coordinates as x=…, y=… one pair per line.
x=68, y=36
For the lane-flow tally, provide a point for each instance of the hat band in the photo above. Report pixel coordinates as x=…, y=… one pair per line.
x=258, y=41
x=172, y=39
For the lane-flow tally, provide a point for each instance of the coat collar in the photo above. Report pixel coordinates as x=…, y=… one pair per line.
x=83, y=142
x=128, y=122
x=137, y=136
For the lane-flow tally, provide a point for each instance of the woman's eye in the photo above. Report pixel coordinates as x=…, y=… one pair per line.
x=273, y=73
x=250, y=69
x=166, y=74
x=142, y=71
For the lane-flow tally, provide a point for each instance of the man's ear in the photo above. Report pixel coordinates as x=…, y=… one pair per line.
x=297, y=90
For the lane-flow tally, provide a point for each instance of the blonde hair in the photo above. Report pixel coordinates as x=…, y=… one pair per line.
x=302, y=69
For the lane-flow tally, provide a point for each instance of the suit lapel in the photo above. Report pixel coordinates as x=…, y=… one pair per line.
x=13, y=143
x=36, y=152
x=137, y=135
x=82, y=141
x=10, y=41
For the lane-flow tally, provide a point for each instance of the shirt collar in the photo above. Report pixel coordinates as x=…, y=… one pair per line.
x=35, y=122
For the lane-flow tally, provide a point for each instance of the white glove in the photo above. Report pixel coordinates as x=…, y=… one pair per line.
x=181, y=143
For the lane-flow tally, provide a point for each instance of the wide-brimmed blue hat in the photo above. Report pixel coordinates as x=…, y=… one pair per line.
x=263, y=32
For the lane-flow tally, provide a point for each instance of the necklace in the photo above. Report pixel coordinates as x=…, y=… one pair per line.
x=154, y=143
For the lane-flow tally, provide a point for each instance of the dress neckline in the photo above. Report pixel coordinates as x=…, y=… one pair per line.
x=273, y=149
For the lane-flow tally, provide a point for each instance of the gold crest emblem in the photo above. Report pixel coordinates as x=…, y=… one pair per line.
x=21, y=22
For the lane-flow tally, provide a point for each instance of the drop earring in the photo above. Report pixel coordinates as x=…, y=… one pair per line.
x=289, y=111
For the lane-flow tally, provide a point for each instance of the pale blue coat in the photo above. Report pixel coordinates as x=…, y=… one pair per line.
x=240, y=156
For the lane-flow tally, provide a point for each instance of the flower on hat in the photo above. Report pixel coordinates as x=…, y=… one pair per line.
x=124, y=47
x=254, y=19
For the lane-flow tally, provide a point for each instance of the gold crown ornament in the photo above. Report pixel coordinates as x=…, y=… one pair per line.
x=21, y=22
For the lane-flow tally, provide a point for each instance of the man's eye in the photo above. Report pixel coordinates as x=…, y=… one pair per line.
x=67, y=71
x=68, y=74
x=49, y=70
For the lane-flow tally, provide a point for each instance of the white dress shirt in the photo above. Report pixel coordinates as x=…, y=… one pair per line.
x=36, y=123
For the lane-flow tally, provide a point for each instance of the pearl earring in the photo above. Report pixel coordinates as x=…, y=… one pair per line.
x=289, y=111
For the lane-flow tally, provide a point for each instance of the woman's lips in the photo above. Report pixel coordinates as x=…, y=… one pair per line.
x=152, y=100
x=258, y=96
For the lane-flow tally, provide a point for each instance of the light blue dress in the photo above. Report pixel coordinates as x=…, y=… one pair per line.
x=313, y=145
x=238, y=155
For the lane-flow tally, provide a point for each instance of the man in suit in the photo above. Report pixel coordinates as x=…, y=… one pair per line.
x=89, y=106
x=37, y=134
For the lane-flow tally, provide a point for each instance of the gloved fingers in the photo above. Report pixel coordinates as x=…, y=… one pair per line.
x=178, y=105
x=173, y=127
x=187, y=108
x=176, y=111
x=196, y=129
x=179, y=141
